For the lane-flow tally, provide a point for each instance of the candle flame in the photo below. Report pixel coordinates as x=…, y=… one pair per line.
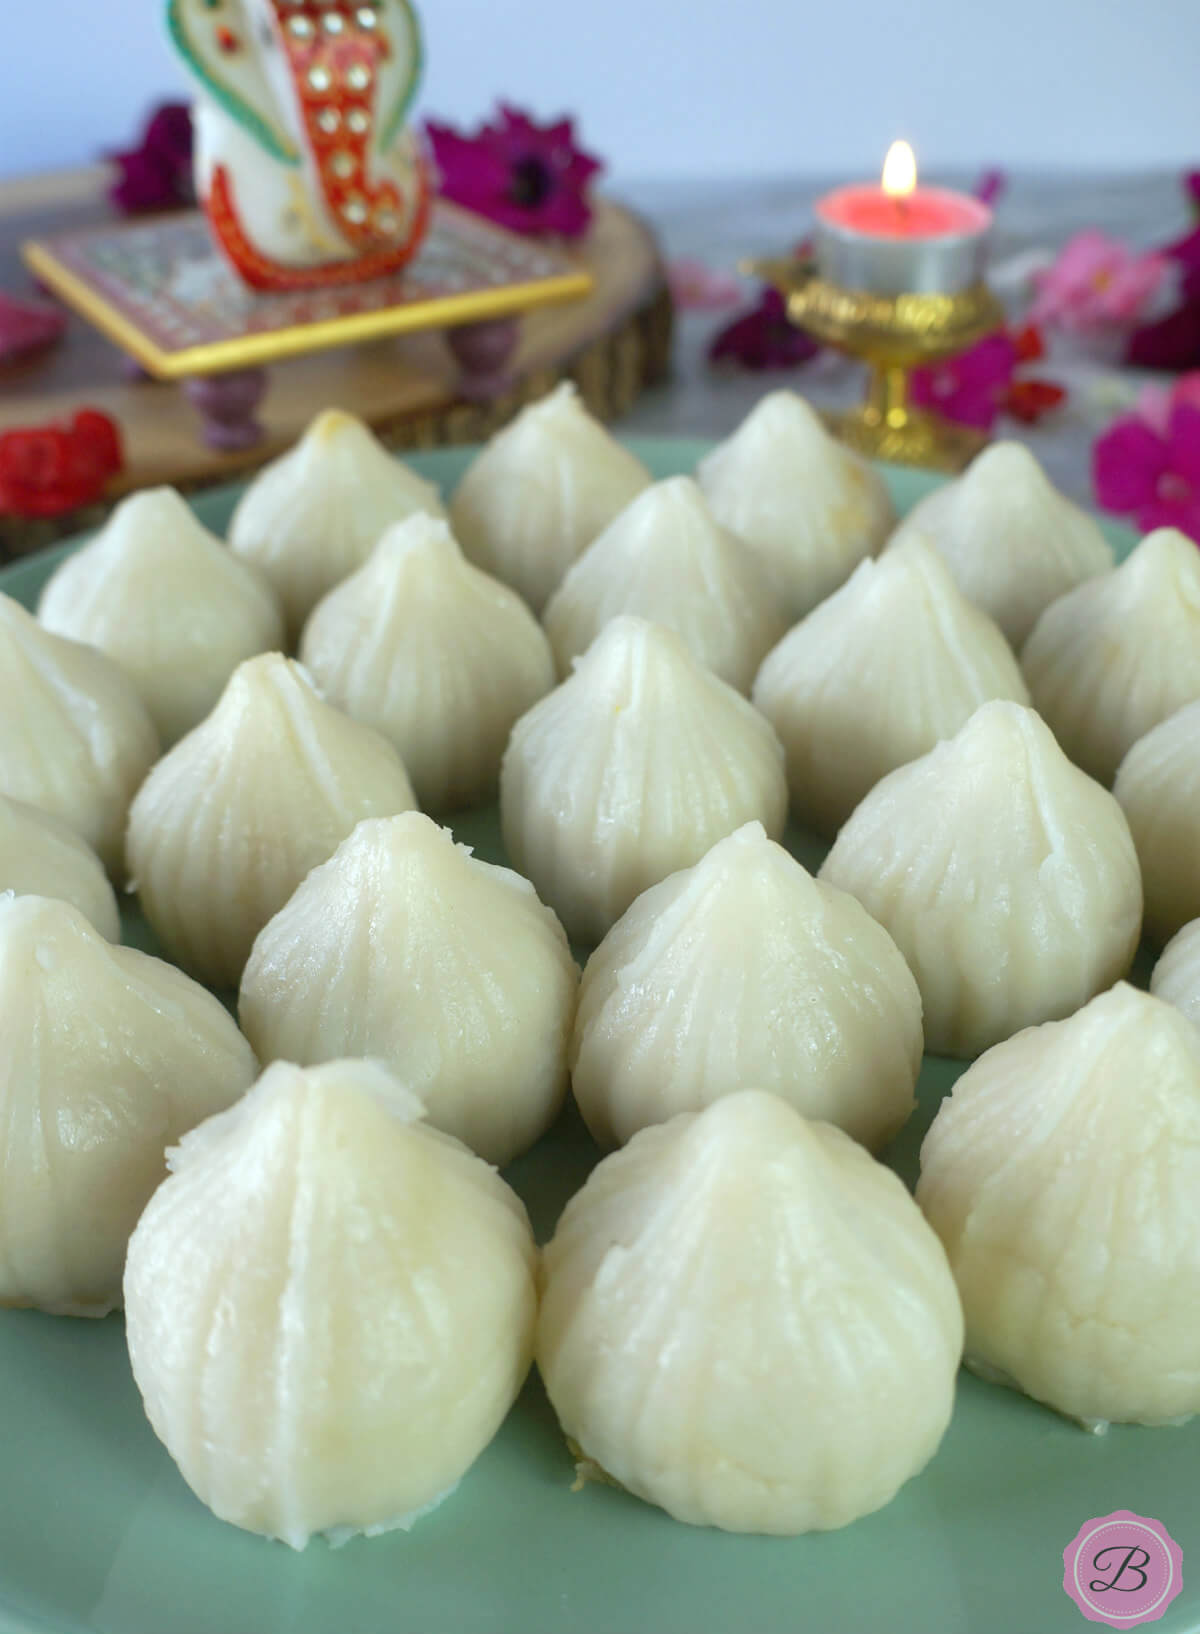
x=899, y=171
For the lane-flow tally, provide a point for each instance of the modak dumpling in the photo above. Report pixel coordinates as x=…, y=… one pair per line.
x=1158, y=785
x=166, y=600
x=1012, y=542
x=665, y=558
x=746, y=1321
x=329, y=1306
x=745, y=970
x=541, y=491
x=1118, y=654
x=109, y=1056
x=1176, y=976
x=1007, y=878
x=230, y=821
x=631, y=769
x=889, y=665
x=807, y=505
x=1063, y=1177
x=75, y=738
x=406, y=948
x=434, y=654
x=315, y=514
x=41, y=855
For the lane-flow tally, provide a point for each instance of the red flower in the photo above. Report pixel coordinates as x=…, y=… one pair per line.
x=1150, y=475
x=527, y=177
x=979, y=385
x=763, y=338
x=157, y=174
x=50, y=470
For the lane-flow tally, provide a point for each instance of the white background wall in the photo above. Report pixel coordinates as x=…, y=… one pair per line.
x=702, y=87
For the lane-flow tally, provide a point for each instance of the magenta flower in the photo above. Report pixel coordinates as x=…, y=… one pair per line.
x=978, y=386
x=1155, y=403
x=527, y=177
x=1153, y=476
x=1097, y=283
x=971, y=388
x=763, y=338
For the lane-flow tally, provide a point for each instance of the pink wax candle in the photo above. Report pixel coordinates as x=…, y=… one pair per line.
x=899, y=237
x=926, y=212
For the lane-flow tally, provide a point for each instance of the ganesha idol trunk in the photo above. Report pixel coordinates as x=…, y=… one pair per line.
x=305, y=167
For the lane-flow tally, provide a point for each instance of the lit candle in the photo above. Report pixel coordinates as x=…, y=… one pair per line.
x=899, y=237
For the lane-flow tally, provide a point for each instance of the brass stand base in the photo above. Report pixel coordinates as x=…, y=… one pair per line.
x=892, y=334
x=920, y=439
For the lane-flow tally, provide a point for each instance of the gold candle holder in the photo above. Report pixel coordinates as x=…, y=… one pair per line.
x=893, y=334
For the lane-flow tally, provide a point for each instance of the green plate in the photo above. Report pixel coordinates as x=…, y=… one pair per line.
x=99, y=1534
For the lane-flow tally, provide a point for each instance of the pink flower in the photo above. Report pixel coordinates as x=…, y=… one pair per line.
x=1153, y=476
x=696, y=287
x=763, y=338
x=1096, y=283
x=157, y=174
x=527, y=177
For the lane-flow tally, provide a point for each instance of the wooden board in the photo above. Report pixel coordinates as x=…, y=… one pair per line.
x=613, y=344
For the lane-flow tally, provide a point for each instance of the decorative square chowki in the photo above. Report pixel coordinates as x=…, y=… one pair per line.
x=162, y=292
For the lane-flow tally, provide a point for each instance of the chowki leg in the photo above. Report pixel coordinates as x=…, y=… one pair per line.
x=485, y=353
x=228, y=405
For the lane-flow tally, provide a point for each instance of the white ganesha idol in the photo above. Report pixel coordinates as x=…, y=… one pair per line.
x=305, y=166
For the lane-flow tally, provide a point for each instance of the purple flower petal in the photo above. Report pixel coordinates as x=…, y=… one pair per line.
x=763, y=338
x=1171, y=343
x=991, y=185
x=1127, y=462
x=1183, y=444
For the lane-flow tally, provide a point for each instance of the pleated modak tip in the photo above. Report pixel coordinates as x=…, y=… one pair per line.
x=1006, y=876
x=667, y=559
x=1111, y=659
x=540, y=491
x=232, y=819
x=329, y=1306
x=629, y=770
x=165, y=599
x=406, y=948
x=438, y=656
x=1012, y=542
x=1176, y=976
x=888, y=666
x=745, y=970
x=1063, y=1177
x=1158, y=786
x=75, y=738
x=41, y=855
x=109, y=1056
x=808, y=506
x=315, y=514
x=746, y=1321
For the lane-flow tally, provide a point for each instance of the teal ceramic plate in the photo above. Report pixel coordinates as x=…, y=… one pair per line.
x=99, y=1534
